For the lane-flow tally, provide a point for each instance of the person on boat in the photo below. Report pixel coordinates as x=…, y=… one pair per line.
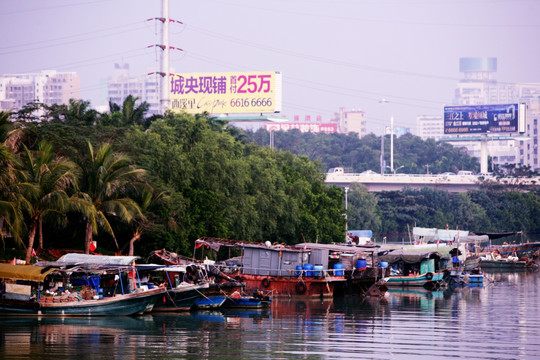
x=455, y=261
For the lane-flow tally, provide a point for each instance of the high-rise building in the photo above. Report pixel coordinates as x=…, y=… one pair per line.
x=48, y=87
x=351, y=121
x=479, y=87
x=528, y=149
x=145, y=87
x=430, y=126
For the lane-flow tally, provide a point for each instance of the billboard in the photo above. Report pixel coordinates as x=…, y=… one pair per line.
x=328, y=128
x=474, y=119
x=226, y=93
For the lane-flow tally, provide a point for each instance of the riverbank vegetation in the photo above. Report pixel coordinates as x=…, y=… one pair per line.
x=74, y=178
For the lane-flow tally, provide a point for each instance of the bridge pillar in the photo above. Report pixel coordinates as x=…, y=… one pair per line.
x=483, y=157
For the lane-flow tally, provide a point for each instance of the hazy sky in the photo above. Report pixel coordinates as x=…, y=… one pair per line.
x=332, y=53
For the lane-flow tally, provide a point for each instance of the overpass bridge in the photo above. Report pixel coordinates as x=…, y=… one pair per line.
x=396, y=182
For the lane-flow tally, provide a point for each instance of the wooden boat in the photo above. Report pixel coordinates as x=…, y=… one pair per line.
x=241, y=301
x=425, y=280
x=503, y=264
x=417, y=269
x=464, y=278
x=26, y=291
x=210, y=302
x=180, y=295
x=304, y=270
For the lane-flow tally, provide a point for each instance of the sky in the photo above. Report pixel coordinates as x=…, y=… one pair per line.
x=331, y=53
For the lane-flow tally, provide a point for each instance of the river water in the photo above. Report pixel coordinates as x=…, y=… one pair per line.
x=498, y=321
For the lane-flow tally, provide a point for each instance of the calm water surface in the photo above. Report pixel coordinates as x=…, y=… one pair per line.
x=499, y=321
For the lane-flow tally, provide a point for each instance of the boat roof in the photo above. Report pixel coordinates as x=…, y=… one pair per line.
x=24, y=272
x=338, y=248
x=410, y=257
x=75, y=258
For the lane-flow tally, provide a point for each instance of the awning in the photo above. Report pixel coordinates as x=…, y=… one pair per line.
x=24, y=272
x=74, y=258
x=410, y=257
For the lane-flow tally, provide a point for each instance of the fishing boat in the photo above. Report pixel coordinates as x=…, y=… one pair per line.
x=238, y=300
x=209, y=302
x=495, y=262
x=181, y=295
x=38, y=290
x=414, y=268
x=282, y=271
x=464, y=278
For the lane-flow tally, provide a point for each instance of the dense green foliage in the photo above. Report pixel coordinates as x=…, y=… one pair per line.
x=411, y=154
x=200, y=179
x=139, y=184
x=392, y=214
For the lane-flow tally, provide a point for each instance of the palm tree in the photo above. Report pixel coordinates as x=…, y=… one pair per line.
x=106, y=179
x=128, y=114
x=148, y=198
x=10, y=215
x=76, y=111
x=43, y=188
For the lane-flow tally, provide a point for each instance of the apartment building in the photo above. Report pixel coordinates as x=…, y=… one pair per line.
x=48, y=87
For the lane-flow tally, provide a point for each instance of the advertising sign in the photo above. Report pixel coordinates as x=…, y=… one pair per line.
x=226, y=93
x=471, y=119
x=303, y=127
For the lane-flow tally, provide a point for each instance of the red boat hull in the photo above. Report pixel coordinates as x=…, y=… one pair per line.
x=291, y=287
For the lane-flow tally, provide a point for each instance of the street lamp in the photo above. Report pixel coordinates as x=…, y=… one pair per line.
x=395, y=170
x=385, y=101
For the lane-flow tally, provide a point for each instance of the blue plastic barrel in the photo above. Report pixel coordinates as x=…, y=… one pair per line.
x=309, y=270
x=361, y=264
x=299, y=269
x=338, y=269
x=318, y=270
x=384, y=264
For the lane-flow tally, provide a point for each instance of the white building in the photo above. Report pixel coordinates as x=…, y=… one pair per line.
x=48, y=87
x=145, y=87
x=351, y=121
x=528, y=150
x=430, y=126
x=479, y=87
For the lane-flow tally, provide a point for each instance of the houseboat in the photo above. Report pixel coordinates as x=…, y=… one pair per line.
x=278, y=270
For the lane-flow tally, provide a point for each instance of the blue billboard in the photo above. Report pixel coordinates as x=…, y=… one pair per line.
x=474, y=119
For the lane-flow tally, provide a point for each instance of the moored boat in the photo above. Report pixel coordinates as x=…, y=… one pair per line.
x=37, y=290
x=209, y=302
x=279, y=270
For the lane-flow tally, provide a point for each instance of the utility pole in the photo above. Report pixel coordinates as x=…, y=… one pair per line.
x=164, y=98
x=392, y=143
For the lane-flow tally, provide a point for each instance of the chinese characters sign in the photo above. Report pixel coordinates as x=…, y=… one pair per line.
x=226, y=93
x=481, y=119
x=303, y=127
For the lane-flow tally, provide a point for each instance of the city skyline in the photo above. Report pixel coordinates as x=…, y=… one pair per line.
x=349, y=54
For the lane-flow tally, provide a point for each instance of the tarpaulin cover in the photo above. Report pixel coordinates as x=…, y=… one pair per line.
x=74, y=258
x=409, y=257
x=92, y=280
x=24, y=272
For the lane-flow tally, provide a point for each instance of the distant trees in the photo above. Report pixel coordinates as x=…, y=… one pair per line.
x=414, y=154
x=162, y=182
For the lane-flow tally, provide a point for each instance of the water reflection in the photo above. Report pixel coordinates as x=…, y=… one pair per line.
x=500, y=320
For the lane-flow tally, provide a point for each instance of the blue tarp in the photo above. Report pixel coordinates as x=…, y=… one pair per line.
x=92, y=280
